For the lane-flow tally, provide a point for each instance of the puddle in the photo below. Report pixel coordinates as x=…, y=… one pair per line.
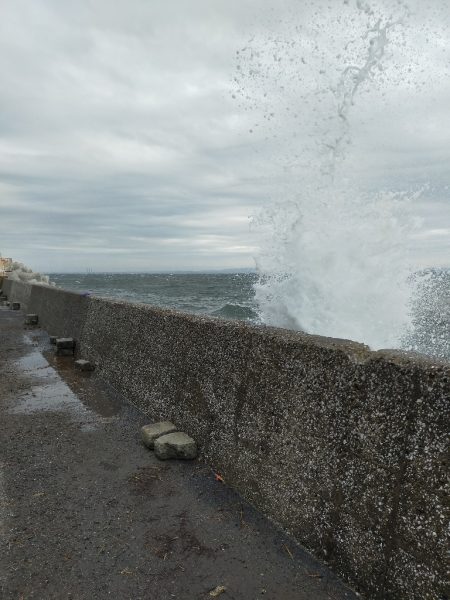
x=55, y=396
x=89, y=392
x=65, y=389
x=32, y=340
x=35, y=364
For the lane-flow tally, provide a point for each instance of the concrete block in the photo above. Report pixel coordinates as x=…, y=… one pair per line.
x=15, y=305
x=64, y=352
x=65, y=346
x=31, y=320
x=65, y=343
x=175, y=445
x=84, y=365
x=150, y=433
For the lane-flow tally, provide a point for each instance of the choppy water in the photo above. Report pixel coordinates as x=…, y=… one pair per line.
x=230, y=296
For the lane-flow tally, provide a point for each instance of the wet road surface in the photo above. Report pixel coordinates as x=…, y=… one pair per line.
x=87, y=512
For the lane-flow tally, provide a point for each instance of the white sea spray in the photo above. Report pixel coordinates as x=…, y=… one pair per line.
x=22, y=273
x=335, y=253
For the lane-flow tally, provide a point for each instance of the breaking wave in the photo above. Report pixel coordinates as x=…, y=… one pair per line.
x=236, y=311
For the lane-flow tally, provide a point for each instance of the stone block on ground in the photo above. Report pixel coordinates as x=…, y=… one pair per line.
x=84, y=365
x=15, y=305
x=175, y=445
x=65, y=343
x=65, y=346
x=64, y=352
x=150, y=433
x=31, y=320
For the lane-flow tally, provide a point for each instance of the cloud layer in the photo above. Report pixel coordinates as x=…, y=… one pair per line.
x=130, y=140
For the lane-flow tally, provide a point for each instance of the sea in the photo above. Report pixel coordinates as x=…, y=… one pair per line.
x=232, y=296
x=226, y=295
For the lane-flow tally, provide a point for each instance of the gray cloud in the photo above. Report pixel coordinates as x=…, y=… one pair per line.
x=121, y=146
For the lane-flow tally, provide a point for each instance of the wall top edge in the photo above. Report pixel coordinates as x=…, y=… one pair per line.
x=355, y=351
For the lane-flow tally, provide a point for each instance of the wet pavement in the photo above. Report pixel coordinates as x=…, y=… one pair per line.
x=87, y=512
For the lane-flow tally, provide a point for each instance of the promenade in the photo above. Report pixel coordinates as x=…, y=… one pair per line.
x=87, y=512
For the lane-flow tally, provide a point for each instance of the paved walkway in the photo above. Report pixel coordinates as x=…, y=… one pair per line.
x=87, y=512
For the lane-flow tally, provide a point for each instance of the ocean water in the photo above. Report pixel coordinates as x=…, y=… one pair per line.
x=230, y=295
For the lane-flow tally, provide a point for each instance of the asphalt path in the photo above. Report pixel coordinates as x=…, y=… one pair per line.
x=87, y=512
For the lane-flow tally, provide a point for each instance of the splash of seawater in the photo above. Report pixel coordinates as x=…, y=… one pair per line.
x=338, y=269
x=353, y=77
x=335, y=257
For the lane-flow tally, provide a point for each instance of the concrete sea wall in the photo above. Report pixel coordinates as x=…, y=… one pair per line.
x=345, y=448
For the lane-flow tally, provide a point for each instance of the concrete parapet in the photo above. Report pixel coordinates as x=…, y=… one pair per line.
x=17, y=292
x=59, y=311
x=345, y=448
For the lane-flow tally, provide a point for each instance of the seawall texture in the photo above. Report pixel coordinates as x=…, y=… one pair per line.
x=345, y=448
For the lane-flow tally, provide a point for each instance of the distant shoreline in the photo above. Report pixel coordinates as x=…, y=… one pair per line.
x=160, y=272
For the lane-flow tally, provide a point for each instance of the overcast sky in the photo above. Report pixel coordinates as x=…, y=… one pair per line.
x=143, y=135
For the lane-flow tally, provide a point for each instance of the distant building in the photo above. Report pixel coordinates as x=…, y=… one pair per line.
x=5, y=265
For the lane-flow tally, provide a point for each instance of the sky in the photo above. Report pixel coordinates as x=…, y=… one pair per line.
x=146, y=136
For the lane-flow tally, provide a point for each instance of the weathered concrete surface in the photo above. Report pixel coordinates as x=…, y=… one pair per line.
x=83, y=365
x=326, y=437
x=86, y=512
x=344, y=447
x=150, y=433
x=31, y=319
x=21, y=292
x=176, y=445
x=61, y=314
x=65, y=346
